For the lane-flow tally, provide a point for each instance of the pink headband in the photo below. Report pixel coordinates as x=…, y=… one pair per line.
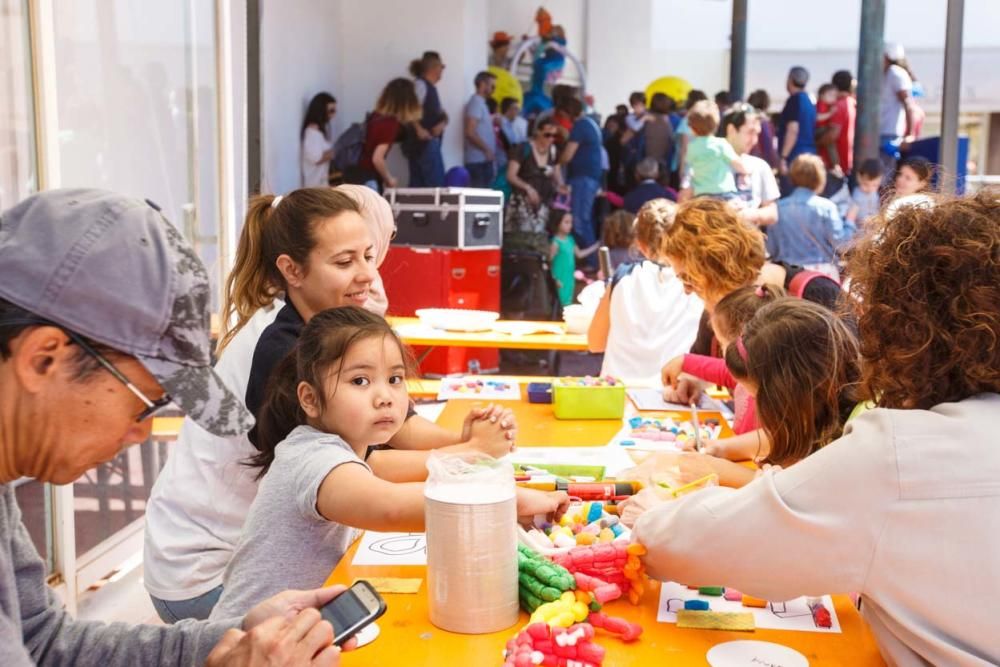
x=741, y=349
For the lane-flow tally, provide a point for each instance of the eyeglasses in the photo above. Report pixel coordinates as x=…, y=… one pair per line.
x=549, y=135
x=152, y=406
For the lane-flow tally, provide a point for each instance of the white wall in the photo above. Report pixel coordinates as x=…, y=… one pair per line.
x=629, y=48
x=352, y=49
x=377, y=41
x=298, y=58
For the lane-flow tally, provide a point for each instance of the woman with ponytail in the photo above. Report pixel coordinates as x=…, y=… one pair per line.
x=299, y=254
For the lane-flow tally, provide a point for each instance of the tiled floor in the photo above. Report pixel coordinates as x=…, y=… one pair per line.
x=122, y=600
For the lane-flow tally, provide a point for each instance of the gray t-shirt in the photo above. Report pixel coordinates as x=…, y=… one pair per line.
x=893, y=121
x=36, y=630
x=476, y=108
x=286, y=543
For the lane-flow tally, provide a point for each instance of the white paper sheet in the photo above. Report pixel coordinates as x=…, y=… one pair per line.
x=652, y=399
x=791, y=615
x=480, y=388
x=391, y=549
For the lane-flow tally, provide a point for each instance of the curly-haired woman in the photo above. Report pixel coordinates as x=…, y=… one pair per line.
x=714, y=253
x=905, y=506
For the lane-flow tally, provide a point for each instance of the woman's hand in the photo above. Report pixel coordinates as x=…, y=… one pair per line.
x=391, y=181
x=631, y=509
x=533, y=197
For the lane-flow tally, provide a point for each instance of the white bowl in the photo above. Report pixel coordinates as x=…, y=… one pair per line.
x=456, y=319
x=577, y=319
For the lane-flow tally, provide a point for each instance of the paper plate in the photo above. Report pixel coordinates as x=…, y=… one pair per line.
x=456, y=319
x=753, y=653
x=367, y=634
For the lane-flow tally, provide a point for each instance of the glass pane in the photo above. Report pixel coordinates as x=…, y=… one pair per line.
x=18, y=176
x=136, y=106
x=35, y=500
x=113, y=495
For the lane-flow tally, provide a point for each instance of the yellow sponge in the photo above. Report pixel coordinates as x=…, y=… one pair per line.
x=716, y=620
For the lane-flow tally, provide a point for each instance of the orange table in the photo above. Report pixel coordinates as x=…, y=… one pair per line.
x=538, y=427
x=408, y=638
x=414, y=333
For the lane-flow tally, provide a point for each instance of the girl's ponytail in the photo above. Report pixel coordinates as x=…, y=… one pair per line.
x=249, y=286
x=280, y=413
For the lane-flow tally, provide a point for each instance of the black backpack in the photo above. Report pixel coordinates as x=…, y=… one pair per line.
x=349, y=145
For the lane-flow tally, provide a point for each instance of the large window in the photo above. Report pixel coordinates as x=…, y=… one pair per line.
x=121, y=95
x=18, y=172
x=137, y=107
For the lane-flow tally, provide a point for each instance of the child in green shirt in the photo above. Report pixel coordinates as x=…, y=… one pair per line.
x=563, y=253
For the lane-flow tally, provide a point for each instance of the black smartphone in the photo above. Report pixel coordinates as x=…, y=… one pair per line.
x=352, y=610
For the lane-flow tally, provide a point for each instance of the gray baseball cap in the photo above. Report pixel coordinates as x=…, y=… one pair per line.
x=113, y=269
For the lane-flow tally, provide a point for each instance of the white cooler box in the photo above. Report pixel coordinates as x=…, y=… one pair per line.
x=447, y=217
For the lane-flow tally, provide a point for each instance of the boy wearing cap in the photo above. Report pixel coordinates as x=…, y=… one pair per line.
x=499, y=47
x=104, y=320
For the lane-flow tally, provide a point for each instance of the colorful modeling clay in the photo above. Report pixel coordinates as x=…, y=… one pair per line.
x=714, y=591
x=541, y=644
x=733, y=595
x=696, y=605
x=750, y=601
x=619, y=626
x=667, y=430
x=589, y=381
x=821, y=615
x=615, y=563
x=540, y=580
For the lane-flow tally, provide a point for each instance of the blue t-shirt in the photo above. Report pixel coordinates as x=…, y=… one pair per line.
x=799, y=108
x=477, y=109
x=587, y=159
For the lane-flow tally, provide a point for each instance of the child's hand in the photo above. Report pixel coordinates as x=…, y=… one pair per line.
x=671, y=371
x=687, y=391
x=490, y=437
x=492, y=413
x=709, y=446
x=551, y=504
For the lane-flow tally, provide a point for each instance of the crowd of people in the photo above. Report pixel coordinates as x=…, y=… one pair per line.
x=865, y=371
x=791, y=173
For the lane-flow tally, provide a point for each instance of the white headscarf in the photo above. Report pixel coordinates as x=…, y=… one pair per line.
x=375, y=211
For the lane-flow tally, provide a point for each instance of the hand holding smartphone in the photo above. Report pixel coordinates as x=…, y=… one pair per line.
x=352, y=610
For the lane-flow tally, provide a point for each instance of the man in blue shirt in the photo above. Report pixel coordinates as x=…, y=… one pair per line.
x=582, y=155
x=648, y=171
x=797, y=124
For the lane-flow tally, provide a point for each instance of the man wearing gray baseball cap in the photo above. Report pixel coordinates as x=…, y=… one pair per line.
x=103, y=321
